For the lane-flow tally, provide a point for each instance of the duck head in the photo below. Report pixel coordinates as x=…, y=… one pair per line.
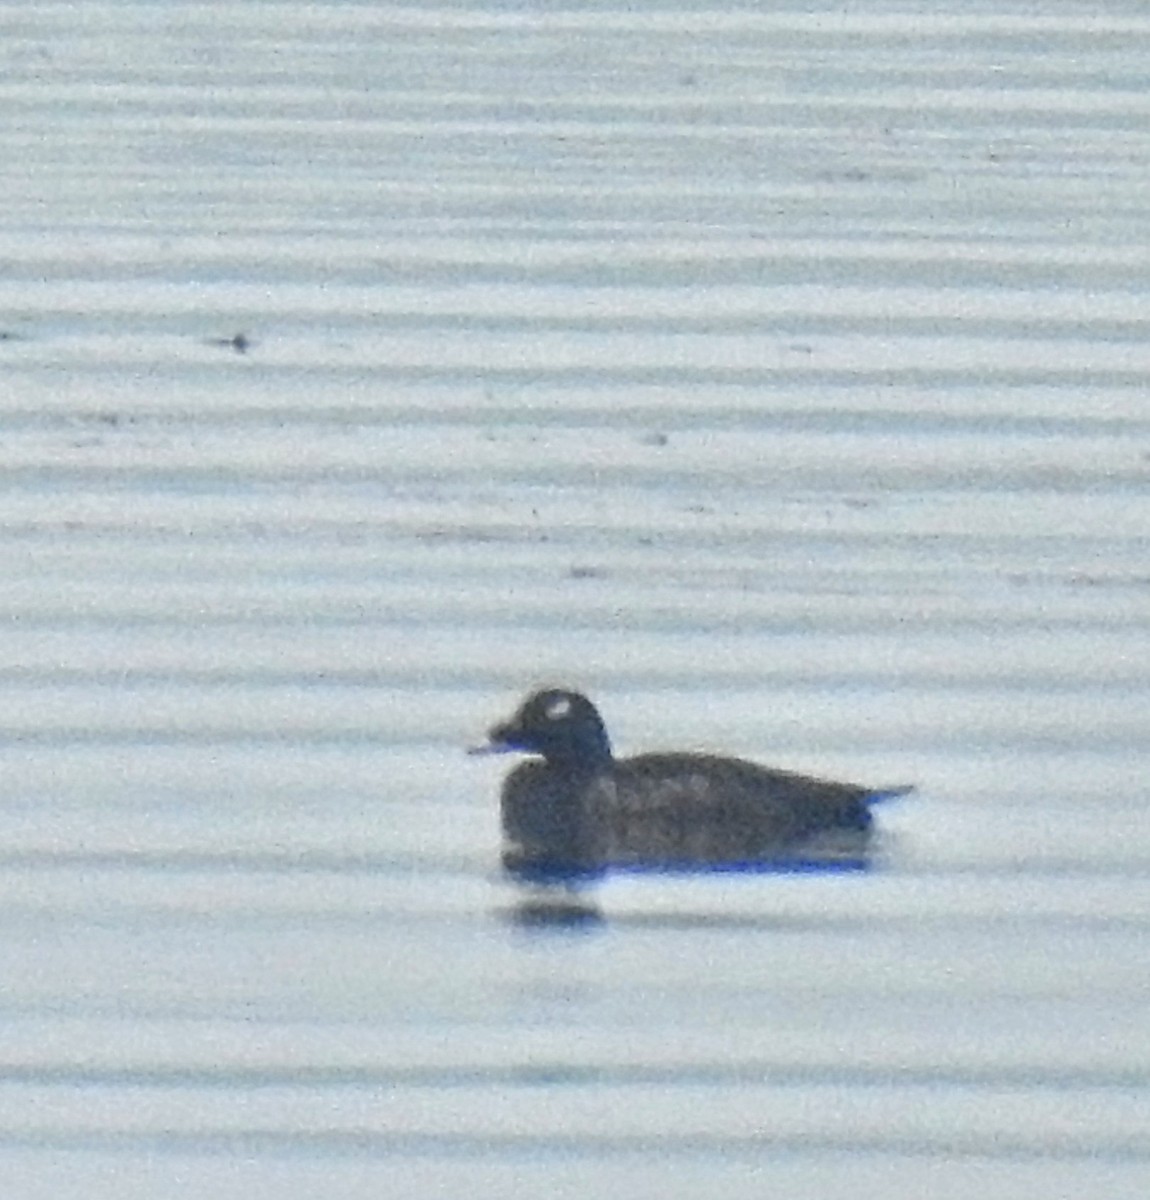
x=563, y=727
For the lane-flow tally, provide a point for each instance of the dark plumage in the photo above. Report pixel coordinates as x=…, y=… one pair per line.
x=579, y=810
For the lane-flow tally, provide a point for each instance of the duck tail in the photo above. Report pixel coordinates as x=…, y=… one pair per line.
x=878, y=795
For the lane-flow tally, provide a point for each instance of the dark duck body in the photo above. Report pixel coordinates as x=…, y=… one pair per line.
x=577, y=810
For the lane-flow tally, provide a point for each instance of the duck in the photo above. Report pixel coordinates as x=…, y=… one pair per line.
x=576, y=811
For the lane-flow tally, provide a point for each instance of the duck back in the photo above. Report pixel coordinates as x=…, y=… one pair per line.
x=707, y=810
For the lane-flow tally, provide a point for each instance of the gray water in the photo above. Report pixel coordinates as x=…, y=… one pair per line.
x=777, y=374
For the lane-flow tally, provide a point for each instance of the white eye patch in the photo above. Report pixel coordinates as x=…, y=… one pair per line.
x=558, y=709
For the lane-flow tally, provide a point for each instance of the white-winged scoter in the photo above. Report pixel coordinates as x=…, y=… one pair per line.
x=578, y=810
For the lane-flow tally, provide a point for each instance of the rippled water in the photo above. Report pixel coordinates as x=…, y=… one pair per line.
x=780, y=377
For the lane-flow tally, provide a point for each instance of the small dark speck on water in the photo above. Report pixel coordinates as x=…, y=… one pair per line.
x=239, y=342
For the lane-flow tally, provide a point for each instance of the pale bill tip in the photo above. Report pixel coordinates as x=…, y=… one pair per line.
x=489, y=748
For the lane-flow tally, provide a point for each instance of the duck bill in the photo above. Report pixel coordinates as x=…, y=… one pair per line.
x=500, y=740
x=492, y=748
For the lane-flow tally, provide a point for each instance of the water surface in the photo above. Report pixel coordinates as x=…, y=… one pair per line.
x=777, y=376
